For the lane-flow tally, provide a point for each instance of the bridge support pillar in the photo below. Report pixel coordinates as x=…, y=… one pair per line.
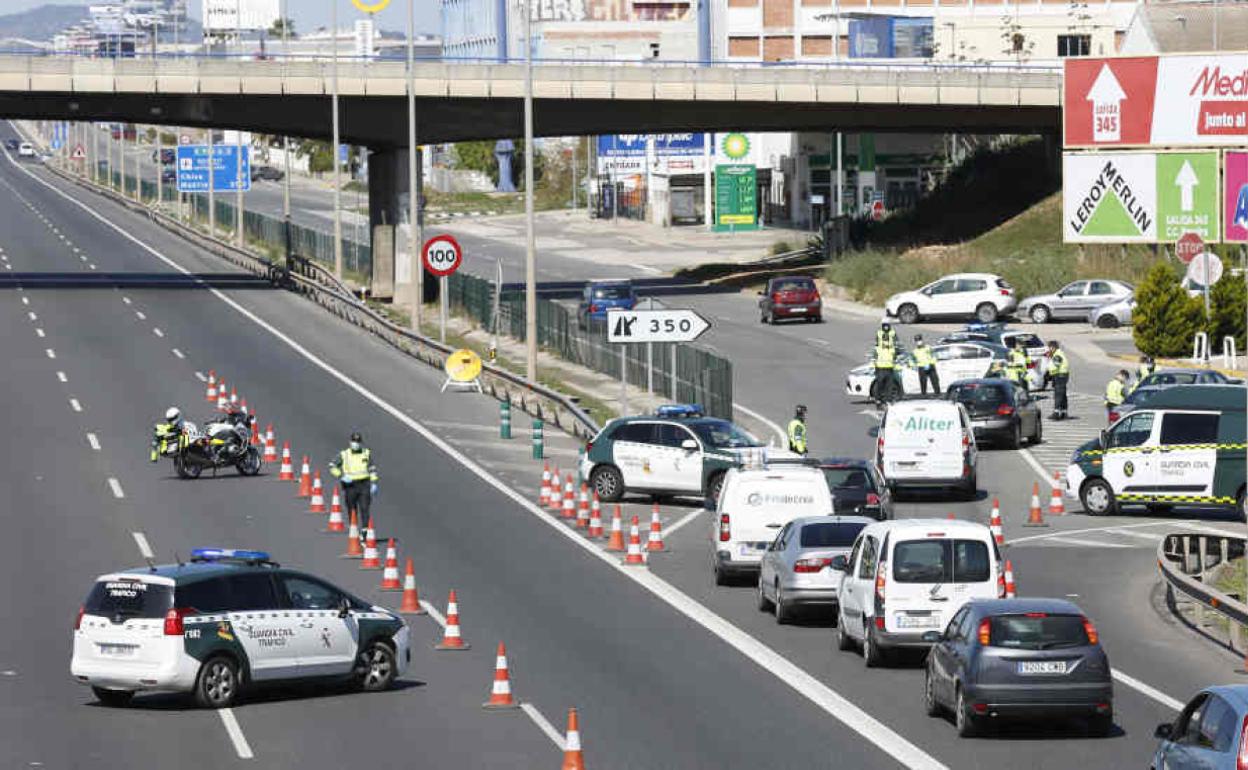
x=388, y=194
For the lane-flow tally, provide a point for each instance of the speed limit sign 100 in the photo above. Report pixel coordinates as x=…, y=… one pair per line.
x=442, y=255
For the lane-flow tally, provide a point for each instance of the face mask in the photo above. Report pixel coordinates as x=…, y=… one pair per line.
x=355, y=446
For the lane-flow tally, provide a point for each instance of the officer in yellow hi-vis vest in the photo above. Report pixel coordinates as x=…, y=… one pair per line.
x=1116, y=390
x=1016, y=363
x=1059, y=370
x=354, y=468
x=169, y=435
x=797, y=430
x=925, y=363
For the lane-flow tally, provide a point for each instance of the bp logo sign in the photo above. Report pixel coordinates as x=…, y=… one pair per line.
x=736, y=146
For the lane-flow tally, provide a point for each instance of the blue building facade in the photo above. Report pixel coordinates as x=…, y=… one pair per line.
x=474, y=29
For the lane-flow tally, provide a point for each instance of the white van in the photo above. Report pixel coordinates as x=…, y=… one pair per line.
x=906, y=577
x=753, y=507
x=927, y=443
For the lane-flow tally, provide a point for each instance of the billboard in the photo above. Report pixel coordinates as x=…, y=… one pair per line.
x=1118, y=102
x=891, y=37
x=225, y=15
x=1235, y=197
x=623, y=145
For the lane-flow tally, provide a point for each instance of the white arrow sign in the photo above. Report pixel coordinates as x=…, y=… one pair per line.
x=654, y=325
x=1186, y=182
x=1106, y=96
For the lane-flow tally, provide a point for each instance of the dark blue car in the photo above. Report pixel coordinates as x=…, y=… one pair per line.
x=600, y=296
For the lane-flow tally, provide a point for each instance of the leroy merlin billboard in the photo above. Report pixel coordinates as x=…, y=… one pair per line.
x=1140, y=197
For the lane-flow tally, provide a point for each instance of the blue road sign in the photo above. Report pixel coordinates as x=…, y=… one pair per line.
x=227, y=176
x=60, y=132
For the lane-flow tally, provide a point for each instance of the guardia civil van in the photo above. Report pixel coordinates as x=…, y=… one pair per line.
x=1185, y=449
x=224, y=620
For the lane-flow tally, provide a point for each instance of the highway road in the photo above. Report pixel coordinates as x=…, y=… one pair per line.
x=667, y=670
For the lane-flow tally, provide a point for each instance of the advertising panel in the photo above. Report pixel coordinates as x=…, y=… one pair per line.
x=224, y=15
x=736, y=197
x=1235, y=197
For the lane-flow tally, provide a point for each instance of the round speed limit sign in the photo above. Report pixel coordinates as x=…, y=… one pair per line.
x=442, y=255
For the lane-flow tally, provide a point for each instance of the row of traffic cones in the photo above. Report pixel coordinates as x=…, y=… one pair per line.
x=502, y=699
x=585, y=513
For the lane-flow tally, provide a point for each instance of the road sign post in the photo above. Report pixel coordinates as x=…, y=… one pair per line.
x=441, y=256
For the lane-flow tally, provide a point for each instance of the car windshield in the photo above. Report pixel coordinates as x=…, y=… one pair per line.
x=1037, y=631
x=830, y=535
x=792, y=284
x=1168, y=378
x=975, y=394
x=613, y=292
x=722, y=434
x=128, y=599
x=941, y=561
x=1029, y=340
x=848, y=478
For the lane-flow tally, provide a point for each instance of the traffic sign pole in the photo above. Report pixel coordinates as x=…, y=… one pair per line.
x=442, y=320
x=441, y=256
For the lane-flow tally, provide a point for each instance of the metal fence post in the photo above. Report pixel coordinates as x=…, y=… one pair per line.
x=504, y=419
x=623, y=379
x=675, y=396
x=537, y=439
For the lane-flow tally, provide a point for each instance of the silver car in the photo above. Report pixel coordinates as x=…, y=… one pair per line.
x=1074, y=300
x=1113, y=314
x=797, y=568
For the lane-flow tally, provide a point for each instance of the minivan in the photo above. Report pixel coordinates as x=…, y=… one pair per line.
x=905, y=578
x=927, y=443
x=754, y=505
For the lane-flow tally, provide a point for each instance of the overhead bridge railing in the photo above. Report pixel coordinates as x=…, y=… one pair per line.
x=1191, y=565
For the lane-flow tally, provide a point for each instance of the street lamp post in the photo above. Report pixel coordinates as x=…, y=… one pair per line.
x=530, y=249
x=238, y=140
x=286, y=143
x=415, y=240
x=333, y=151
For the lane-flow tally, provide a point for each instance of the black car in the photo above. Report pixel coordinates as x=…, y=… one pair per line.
x=1019, y=658
x=857, y=489
x=268, y=173
x=1000, y=411
x=167, y=156
x=11, y=144
x=168, y=175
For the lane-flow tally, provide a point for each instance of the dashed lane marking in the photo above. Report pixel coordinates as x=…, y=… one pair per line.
x=201, y=377
x=158, y=332
x=31, y=315
x=140, y=315
x=126, y=300
x=177, y=353
x=39, y=333
x=51, y=353
x=1086, y=543
x=73, y=404
x=681, y=522
x=25, y=300
x=436, y=616
x=1151, y=692
x=543, y=724
x=1141, y=535
x=145, y=550
x=61, y=376
x=241, y=747
x=115, y=485
x=93, y=441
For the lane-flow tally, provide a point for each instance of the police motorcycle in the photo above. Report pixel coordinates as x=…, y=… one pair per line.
x=224, y=441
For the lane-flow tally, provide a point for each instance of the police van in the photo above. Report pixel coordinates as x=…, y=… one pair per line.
x=1186, y=448
x=226, y=619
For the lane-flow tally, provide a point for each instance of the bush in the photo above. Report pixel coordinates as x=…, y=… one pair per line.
x=1228, y=301
x=1165, y=317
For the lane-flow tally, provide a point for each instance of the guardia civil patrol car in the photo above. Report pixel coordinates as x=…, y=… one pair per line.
x=676, y=451
x=1184, y=449
x=224, y=620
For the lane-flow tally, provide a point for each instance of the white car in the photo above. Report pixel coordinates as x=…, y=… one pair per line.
x=25, y=150
x=927, y=443
x=955, y=361
x=982, y=296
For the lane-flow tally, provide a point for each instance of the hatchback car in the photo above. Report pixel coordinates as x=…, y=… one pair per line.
x=796, y=570
x=790, y=297
x=1074, y=300
x=165, y=156
x=267, y=173
x=1019, y=658
x=1210, y=733
x=1000, y=411
x=600, y=296
x=857, y=489
x=982, y=296
x=1111, y=315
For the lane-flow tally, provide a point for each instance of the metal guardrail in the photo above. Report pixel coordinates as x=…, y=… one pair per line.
x=1187, y=561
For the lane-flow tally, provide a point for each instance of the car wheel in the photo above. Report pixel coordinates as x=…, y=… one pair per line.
x=379, y=667
x=1040, y=314
x=113, y=698
x=930, y=705
x=1101, y=725
x=218, y=684
x=1038, y=436
x=964, y=720
x=1015, y=439
x=908, y=314
x=1097, y=497
x=1108, y=321
x=986, y=312
x=971, y=489
x=720, y=578
x=1243, y=505
x=607, y=482
x=844, y=642
x=783, y=612
x=251, y=462
x=714, y=487
x=872, y=655
x=764, y=604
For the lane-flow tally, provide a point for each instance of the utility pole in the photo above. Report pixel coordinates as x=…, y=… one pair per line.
x=238, y=140
x=415, y=237
x=286, y=142
x=530, y=246
x=333, y=151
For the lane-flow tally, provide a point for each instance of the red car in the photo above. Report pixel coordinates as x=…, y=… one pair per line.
x=790, y=297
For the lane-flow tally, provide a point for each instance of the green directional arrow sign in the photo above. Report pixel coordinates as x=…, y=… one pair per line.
x=1187, y=195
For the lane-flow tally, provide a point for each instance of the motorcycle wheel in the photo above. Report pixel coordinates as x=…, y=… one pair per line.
x=184, y=470
x=249, y=465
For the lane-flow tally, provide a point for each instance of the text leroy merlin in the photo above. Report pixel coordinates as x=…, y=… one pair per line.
x=1110, y=178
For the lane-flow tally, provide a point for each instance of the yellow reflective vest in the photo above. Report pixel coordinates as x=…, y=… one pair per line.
x=884, y=356
x=1114, y=392
x=797, y=436
x=354, y=466
x=1060, y=364
x=923, y=357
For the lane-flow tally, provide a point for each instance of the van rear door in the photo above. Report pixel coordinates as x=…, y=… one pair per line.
x=761, y=504
x=923, y=441
x=931, y=576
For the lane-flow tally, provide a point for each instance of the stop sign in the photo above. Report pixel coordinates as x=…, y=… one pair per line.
x=1188, y=246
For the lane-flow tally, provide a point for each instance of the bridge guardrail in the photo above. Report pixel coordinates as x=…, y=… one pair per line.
x=1186, y=561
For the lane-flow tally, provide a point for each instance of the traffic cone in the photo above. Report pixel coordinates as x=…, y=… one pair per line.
x=556, y=492
x=411, y=599
x=335, y=514
x=305, y=479
x=223, y=398
x=390, y=572
x=994, y=523
x=212, y=386
x=256, y=438
x=369, y=530
x=635, y=557
x=270, y=445
x=1010, y=589
x=371, y=560
x=656, y=531
x=1035, y=517
x=287, y=471
x=242, y=407
x=569, y=500
x=595, y=518
x=582, y=508
x=616, y=541
x=353, y=539
x=1057, y=507
x=543, y=497
x=451, y=638
x=234, y=396
x=317, y=502
x=500, y=693
x=573, y=757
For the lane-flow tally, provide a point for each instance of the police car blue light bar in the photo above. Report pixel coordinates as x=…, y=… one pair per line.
x=679, y=410
x=216, y=554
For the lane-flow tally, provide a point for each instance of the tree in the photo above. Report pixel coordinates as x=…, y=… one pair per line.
x=1165, y=317
x=1228, y=301
x=479, y=156
x=279, y=24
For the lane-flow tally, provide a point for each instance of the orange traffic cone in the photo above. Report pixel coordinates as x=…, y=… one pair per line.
x=411, y=599
x=543, y=497
x=595, y=518
x=500, y=693
x=616, y=541
x=1010, y=589
x=1057, y=507
x=353, y=539
x=582, y=508
x=656, y=531
x=242, y=407
x=287, y=471
x=234, y=396
x=369, y=530
x=994, y=523
x=256, y=438
x=569, y=500
x=635, y=557
x=1035, y=517
x=317, y=502
x=573, y=757
x=452, y=638
x=390, y=573
x=212, y=386
x=556, y=492
x=305, y=479
x=371, y=559
x=335, y=514
x=223, y=398
x=270, y=445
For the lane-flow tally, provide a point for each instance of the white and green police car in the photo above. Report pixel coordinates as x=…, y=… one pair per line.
x=224, y=620
x=677, y=451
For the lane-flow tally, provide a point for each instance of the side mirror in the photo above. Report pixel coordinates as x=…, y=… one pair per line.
x=840, y=563
x=1164, y=731
x=689, y=445
x=931, y=637
x=344, y=607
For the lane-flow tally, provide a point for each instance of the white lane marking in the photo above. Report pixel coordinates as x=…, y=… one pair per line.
x=784, y=438
x=1092, y=543
x=1141, y=535
x=51, y=353
x=126, y=300
x=39, y=333
x=802, y=682
x=31, y=315
x=61, y=376
x=201, y=376
x=178, y=353
x=1068, y=532
x=667, y=532
x=1040, y=471
x=543, y=724
x=433, y=613
x=73, y=404
x=145, y=550
x=236, y=734
x=25, y=300
x=140, y=315
x=1151, y=692
x=1212, y=530
x=156, y=330
x=115, y=485
x=91, y=265
x=648, y=269
x=93, y=441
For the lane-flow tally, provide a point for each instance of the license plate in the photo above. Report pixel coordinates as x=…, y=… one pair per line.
x=117, y=650
x=917, y=621
x=797, y=310
x=747, y=549
x=1042, y=667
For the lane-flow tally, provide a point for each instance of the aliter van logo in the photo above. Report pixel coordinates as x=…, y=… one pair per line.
x=736, y=146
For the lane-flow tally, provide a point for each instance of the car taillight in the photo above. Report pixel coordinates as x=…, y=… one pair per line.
x=879, y=445
x=78, y=620
x=725, y=528
x=594, y=308
x=879, y=585
x=1000, y=586
x=588, y=446
x=173, y=621
x=966, y=442
x=816, y=297
x=1241, y=759
x=1031, y=364
x=1090, y=630
x=985, y=631
x=873, y=498
x=1006, y=292
x=1005, y=410
x=811, y=565
x=775, y=296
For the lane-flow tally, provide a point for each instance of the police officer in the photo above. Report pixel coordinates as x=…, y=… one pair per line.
x=996, y=369
x=885, y=361
x=354, y=468
x=1116, y=389
x=1059, y=370
x=168, y=433
x=925, y=363
x=886, y=335
x=1146, y=367
x=797, y=430
x=1016, y=363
